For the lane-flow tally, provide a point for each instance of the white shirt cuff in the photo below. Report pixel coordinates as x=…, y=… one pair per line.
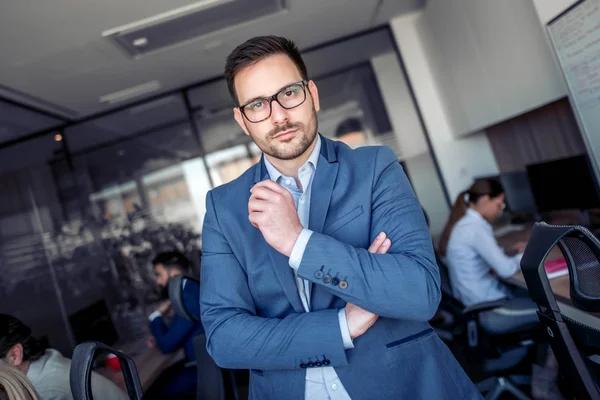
x=517, y=259
x=154, y=315
x=345, y=330
x=299, y=247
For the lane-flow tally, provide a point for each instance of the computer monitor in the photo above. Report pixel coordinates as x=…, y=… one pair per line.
x=517, y=190
x=94, y=324
x=564, y=184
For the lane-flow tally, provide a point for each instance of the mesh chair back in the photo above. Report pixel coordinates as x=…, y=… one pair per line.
x=572, y=341
x=583, y=251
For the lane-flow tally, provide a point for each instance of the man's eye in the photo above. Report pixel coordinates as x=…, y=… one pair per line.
x=257, y=105
x=290, y=92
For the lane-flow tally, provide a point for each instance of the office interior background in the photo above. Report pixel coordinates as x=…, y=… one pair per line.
x=115, y=121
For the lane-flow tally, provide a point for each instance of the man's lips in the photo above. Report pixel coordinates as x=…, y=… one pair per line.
x=284, y=134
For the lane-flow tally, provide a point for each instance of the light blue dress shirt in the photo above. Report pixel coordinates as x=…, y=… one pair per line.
x=321, y=383
x=472, y=255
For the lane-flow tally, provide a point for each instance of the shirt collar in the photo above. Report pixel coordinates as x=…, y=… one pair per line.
x=313, y=159
x=476, y=215
x=36, y=367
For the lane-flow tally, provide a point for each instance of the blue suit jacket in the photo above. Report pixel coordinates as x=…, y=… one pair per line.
x=180, y=332
x=252, y=312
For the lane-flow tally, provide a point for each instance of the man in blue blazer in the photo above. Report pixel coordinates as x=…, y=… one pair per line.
x=180, y=379
x=289, y=288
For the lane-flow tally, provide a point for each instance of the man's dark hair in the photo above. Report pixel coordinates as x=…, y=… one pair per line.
x=256, y=49
x=349, y=125
x=173, y=260
x=12, y=332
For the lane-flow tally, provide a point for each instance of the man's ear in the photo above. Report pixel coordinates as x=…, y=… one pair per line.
x=237, y=114
x=15, y=355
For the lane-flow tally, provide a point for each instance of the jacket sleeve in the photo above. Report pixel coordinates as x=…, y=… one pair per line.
x=172, y=337
x=236, y=336
x=402, y=284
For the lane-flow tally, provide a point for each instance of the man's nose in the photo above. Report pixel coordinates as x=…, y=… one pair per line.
x=279, y=115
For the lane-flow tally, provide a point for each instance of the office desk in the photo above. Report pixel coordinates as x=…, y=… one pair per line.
x=150, y=363
x=560, y=285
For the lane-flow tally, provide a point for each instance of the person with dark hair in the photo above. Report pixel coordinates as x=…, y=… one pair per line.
x=352, y=132
x=474, y=258
x=46, y=369
x=475, y=261
x=179, y=380
x=290, y=288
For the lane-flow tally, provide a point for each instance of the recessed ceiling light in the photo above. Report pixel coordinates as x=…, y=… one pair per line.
x=58, y=137
x=140, y=42
x=213, y=45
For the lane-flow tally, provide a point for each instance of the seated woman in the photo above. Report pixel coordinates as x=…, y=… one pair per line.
x=475, y=264
x=14, y=385
x=474, y=258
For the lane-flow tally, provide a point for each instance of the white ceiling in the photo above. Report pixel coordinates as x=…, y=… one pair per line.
x=54, y=57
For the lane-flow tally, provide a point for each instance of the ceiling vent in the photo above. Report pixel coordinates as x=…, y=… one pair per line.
x=188, y=23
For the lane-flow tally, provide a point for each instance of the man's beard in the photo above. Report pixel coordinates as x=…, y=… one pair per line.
x=279, y=151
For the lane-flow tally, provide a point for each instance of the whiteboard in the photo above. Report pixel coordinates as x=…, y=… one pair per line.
x=575, y=36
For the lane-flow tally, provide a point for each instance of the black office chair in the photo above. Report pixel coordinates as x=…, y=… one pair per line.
x=575, y=344
x=175, y=290
x=214, y=383
x=491, y=358
x=81, y=371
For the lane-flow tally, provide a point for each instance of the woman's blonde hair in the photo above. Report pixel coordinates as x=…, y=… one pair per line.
x=14, y=385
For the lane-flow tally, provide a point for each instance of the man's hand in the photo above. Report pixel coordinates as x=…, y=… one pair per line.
x=271, y=209
x=164, y=307
x=519, y=247
x=360, y=320
x=151, y=342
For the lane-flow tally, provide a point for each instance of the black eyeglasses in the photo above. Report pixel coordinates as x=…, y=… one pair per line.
x=289, y=97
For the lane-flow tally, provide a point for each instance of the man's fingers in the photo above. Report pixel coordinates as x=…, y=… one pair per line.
x=273, y=187
x=270, y=185
x=254, y=218
x=263, y=193
x=385, y=246
x=374, y=247
x=257, y=205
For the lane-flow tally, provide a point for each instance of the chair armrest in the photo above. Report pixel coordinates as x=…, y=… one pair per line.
x=485, y=306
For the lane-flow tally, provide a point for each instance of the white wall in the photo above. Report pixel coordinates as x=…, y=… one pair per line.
x=496, y=59
x=428, y=188
x=399, y=105
x=411, y=144
x=460, y=159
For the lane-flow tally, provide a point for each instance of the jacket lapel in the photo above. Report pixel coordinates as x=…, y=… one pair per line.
x=322, y=186
x=283, y=271
x=320, y=198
